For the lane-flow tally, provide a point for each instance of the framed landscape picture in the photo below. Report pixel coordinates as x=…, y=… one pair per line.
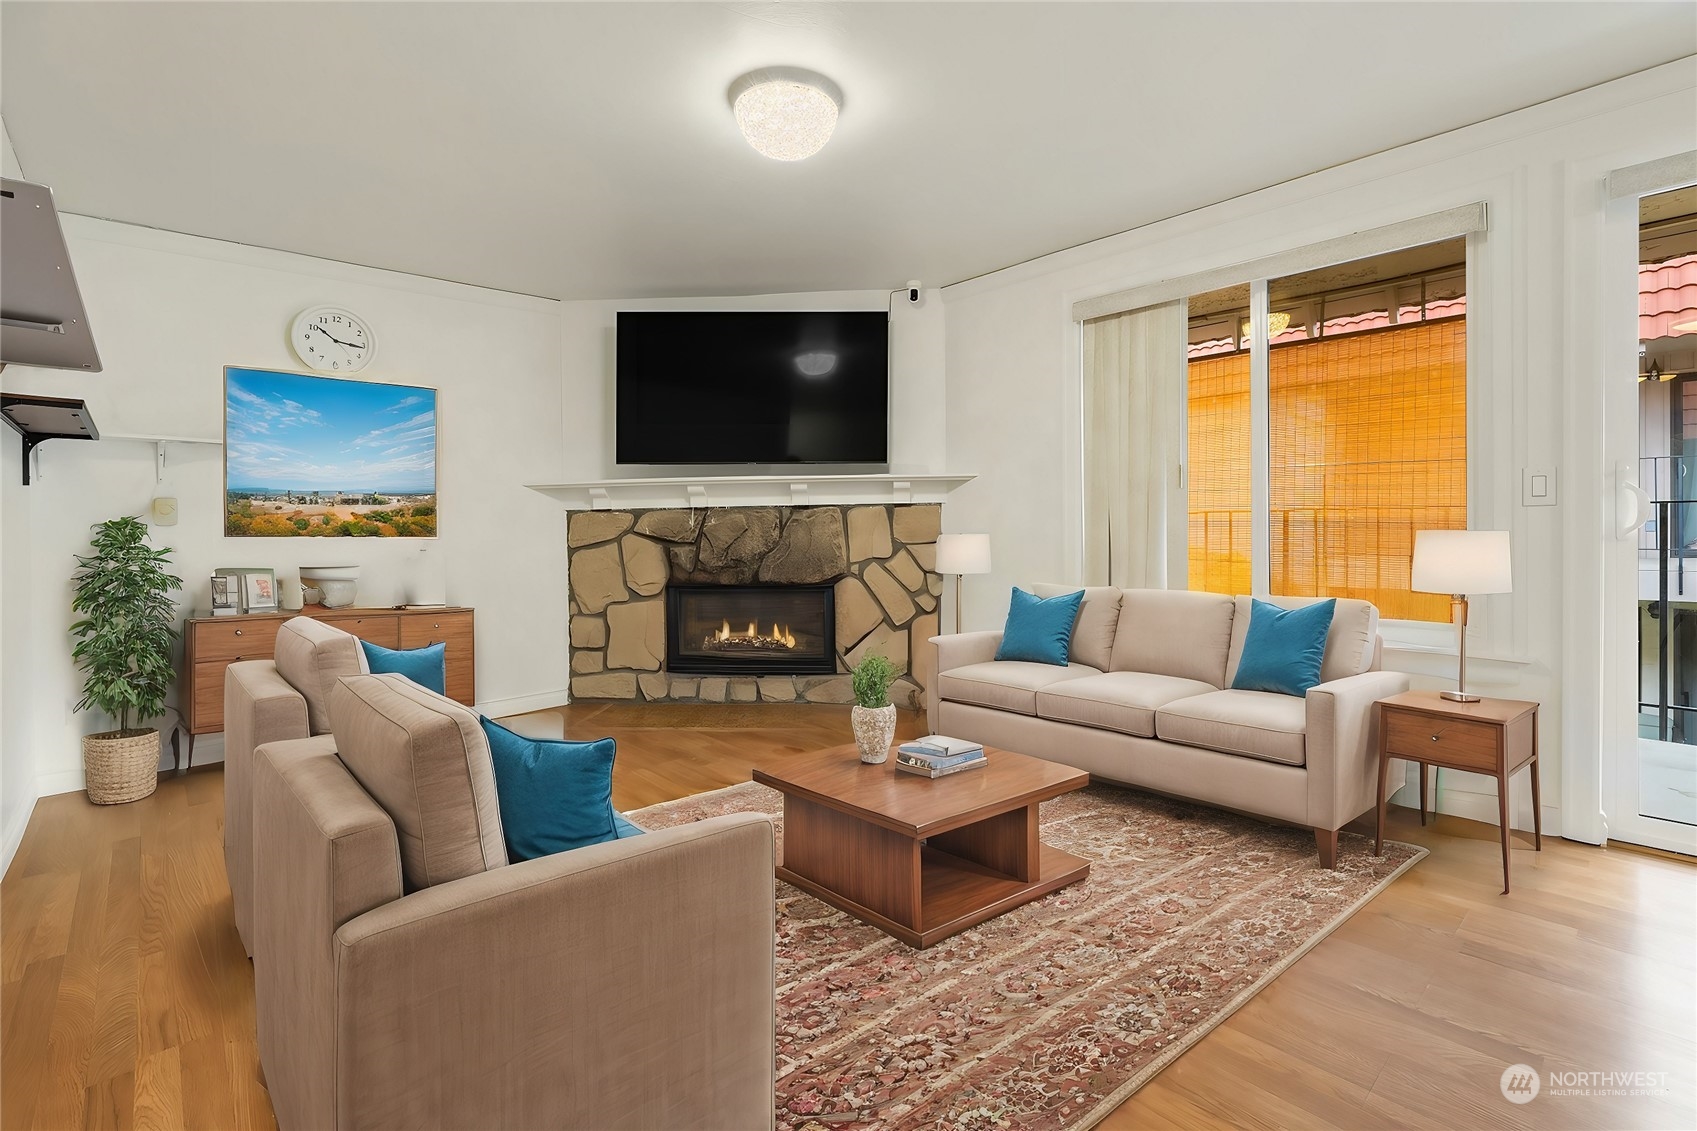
x=327, y=457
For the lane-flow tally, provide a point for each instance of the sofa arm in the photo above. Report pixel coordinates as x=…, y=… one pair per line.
x=957, y=651
x=623, y=985
x=1343, y=745
x=259, y=707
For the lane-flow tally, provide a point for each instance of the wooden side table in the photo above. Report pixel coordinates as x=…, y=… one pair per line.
x=1490, y=736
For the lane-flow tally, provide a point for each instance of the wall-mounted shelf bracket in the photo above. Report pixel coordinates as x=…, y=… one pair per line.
x=39, y=419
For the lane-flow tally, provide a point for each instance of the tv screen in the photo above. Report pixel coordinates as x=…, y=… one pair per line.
x=753, y=387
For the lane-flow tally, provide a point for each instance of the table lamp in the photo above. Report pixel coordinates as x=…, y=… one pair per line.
x=961, y=554
x=1459, y=562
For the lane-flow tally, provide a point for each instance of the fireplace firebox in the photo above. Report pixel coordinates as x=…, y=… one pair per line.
x=751, y=629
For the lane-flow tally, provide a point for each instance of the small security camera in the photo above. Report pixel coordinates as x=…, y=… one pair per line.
x=913, y=290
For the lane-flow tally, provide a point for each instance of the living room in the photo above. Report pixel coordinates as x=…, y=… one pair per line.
x=498, y=194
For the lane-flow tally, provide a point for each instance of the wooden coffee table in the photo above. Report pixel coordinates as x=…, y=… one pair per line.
x=921, y=858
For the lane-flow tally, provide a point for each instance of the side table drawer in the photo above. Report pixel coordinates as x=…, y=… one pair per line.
x=1458, y=743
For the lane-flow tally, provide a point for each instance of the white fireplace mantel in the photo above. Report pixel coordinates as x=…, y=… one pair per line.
x=799, y=490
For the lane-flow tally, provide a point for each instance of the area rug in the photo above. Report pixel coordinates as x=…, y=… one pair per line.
x=1049, y=1016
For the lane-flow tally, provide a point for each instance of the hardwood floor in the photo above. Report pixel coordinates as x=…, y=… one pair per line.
x=125, y=1000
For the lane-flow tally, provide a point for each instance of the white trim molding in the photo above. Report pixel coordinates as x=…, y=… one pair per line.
x=801, y=489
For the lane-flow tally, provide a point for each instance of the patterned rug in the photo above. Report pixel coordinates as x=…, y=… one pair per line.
x=1049, y=1016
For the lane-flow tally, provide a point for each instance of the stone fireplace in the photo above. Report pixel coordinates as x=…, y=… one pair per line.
x=713, y=604
x=750, y=629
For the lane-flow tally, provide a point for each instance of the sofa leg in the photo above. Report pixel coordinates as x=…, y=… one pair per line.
x=1326, y=840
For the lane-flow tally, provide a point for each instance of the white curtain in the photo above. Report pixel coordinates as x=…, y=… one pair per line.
x=1135, y=519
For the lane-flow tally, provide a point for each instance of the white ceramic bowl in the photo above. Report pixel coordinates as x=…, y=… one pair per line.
x=338, y=584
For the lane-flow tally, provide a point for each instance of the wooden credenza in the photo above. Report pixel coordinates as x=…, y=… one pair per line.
x=211, y=644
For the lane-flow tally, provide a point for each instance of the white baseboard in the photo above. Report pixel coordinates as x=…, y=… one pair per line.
x=523, y=704
x=14, y=836
x=65, y=781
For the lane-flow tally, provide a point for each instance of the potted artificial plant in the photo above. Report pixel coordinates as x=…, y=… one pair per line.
x=124, y=640
x=874, y=716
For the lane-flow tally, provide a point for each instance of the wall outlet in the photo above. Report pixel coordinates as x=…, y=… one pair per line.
x=1537, y=486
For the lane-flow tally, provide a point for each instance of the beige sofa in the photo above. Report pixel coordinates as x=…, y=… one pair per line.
x=406, y=975
x=1145, y=700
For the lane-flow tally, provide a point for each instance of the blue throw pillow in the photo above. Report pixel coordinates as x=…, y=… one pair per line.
x=1039, y=629
x=1283, y=648
x=554, y=795
x=427, y=667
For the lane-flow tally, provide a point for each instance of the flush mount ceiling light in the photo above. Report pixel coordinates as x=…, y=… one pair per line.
x=1278, y=322
x=786, y=113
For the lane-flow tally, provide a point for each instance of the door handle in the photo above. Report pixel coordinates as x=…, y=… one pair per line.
x=1632, y=504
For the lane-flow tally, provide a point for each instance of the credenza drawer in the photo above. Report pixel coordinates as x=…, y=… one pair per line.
x=1459, y=743
x=247, y=639
x=455, y=629
x=385, y=632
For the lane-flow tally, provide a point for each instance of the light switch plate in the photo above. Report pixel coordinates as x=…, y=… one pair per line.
x=164, y=512
x=1538, y=486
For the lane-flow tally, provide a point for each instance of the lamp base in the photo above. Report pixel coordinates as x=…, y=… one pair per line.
x=1459, y=696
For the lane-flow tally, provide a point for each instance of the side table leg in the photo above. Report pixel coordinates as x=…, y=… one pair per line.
x=190, y=764
x=1379, y=826
x=175, y=748
x=1422, y=795
x=1502, y=816
x=1537, y=811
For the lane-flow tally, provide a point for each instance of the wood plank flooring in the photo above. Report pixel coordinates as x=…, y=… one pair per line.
x=125, y=1000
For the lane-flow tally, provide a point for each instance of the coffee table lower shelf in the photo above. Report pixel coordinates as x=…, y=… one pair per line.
x=956, y=894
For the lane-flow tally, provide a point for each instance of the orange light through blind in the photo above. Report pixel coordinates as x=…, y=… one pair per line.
x=1219, y=474
x=1368, y=444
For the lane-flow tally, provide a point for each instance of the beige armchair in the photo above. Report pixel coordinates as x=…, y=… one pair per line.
x=623, y=985
x=274, y=701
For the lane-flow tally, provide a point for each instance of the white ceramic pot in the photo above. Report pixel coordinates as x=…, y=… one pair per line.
x=338, y=585
x=874, y=730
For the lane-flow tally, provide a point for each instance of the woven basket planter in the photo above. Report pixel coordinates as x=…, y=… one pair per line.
x=120, y=766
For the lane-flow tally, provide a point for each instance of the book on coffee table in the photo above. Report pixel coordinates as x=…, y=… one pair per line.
x=926, y=768
x=938, y=747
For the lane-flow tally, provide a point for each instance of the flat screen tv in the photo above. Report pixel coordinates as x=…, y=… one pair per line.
x=752, y=387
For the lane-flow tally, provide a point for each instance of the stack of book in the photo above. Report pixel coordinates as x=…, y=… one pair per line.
x=937, y=755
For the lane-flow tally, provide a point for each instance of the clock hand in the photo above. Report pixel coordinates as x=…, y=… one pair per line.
x=334, y=338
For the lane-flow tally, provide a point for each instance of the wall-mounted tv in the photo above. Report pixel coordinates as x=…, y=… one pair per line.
x=752, y=387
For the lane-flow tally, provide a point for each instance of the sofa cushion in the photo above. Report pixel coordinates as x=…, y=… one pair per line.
x=555, y=795
x=1255, y=724
x=1120, y=701
x=1098, y=616
x=312, y=656
x=1005, y=685
x=425, y=760
x=427, y=666
x=1039, y=630
x=1351, y=642
x=1174, y=632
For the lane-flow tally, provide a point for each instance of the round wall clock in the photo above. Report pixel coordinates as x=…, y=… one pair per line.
x=331, y=339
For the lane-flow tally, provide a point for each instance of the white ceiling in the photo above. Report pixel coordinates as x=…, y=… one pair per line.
x=577, y=150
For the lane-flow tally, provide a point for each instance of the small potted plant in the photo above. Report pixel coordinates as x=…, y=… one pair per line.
x=124, y=640
x=873, y=716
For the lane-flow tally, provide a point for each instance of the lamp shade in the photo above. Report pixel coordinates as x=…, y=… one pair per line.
x=1461, y=561
x=963, y=553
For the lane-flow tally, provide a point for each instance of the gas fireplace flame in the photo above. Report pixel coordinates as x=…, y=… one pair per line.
x=724, y=640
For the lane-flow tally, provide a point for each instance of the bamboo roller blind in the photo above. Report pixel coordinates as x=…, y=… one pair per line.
x=1367, y=444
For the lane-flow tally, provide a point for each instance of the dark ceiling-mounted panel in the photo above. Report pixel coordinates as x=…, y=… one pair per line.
x=42, y=320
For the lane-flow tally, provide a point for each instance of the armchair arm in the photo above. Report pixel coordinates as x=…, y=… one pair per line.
x=1343, y=745
x=623, y=985
x=957, y=651
x=259, y=707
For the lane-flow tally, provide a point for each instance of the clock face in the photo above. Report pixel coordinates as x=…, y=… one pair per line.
x=332, y=340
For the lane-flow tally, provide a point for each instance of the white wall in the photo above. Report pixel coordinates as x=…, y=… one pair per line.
x=17, y=769
x=168, y=312
x=1013, y=360
x=916, y=375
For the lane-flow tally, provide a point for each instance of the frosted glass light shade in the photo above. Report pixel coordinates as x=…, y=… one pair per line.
x=786, y=114
x=963, y=553
x=1461, y=561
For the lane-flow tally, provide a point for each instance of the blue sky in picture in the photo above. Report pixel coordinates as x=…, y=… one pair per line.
x=287, y=431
